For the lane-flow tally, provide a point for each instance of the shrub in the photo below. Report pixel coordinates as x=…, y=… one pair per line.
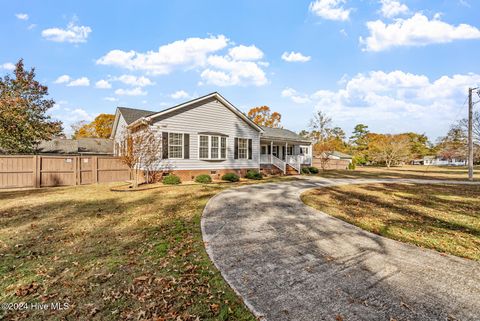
x=253, y=174
x=231, y=177
x=351, y=166
x=204, y=179
x=305, y=170
x=313, y=169
x=171, y=179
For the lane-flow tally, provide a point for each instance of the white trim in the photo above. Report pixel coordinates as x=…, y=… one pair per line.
x=238, y=148
x=216, y=95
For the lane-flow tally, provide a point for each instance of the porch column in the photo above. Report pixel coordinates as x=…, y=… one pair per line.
x=271, y=152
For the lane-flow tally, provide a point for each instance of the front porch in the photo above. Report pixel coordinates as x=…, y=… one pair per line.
x=286, y=156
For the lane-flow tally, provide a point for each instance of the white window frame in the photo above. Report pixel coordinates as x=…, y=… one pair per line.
x=246, y=148
x=182, y=145
x=219, y=147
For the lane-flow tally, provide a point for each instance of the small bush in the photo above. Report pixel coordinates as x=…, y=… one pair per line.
x=352, y=166
x=305, y=170
x=253, y=174
x=171, y=179
x=313, y=169
x=203, y=179
x=231, y=177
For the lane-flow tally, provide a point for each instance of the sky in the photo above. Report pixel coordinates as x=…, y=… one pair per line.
x=394, y=65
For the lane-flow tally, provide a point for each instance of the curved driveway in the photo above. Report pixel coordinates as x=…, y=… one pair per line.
x=290, y=262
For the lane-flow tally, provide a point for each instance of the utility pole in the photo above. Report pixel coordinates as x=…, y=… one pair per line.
x=470, y=133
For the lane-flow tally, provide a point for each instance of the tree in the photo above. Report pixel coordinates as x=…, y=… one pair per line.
x=389, y=149
x=142, y=153
x=321, y=127
x=23, y=112
x=419, y=145
x=454, y=145
x=359, y=143
x=263, y=116
x=100, y=127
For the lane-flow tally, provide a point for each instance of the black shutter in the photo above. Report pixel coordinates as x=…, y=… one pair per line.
x=249, y=149
x=269, y=149
x=284, y=149
x=186, y=146
x=164, y=145
x=235, y=152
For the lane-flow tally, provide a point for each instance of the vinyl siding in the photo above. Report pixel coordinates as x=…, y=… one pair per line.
x=120, y=132
x=212, y=116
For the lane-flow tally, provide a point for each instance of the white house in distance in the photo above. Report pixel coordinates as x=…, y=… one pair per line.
x=209, y=135
x=439, y=161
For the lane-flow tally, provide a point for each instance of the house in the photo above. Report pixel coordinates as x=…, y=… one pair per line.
x=82, y=146
x=439, y=161
x=339, y=155
x=209, y=135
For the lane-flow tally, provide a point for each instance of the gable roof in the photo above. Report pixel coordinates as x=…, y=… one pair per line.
x=284, y=134
x=184, y=105
x=76, y=146
x=131, y=114
x=340, y=155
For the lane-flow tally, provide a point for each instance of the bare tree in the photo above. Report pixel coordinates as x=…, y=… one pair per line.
x=390, y=149
x=142, y=153
x=321, y=133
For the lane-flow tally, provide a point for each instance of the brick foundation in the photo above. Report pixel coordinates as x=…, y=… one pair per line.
x=269, y=169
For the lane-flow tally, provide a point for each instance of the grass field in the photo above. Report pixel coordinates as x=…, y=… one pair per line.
x=407, y=171
x=112, y=255
x=441, y=217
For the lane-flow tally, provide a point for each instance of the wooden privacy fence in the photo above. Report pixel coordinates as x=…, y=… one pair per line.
x=42, y=170
x=332, y=163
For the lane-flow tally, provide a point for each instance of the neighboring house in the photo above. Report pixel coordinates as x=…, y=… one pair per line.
x=339, y=155
x=82, y=146
x=209, y=135
x=439, y=161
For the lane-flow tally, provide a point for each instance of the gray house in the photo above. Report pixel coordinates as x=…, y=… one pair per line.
x=209, y=135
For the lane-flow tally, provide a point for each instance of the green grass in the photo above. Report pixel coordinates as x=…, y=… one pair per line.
x=112, y=255
x=441, y=217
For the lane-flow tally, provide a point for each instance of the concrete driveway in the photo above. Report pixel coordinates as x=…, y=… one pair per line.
x=290, y=262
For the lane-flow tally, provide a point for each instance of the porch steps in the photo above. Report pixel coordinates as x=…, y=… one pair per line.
x=291, y=170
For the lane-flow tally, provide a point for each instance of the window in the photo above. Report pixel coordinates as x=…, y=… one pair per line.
x=289, y=150
x=242, y=148
x=304, y=150
x=223, y=147
x=175, y=145
x=203, y=148
x=212, y=147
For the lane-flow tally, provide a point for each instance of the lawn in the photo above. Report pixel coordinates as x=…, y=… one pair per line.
x=112, y=255
x=441, y=217
x=407, y=171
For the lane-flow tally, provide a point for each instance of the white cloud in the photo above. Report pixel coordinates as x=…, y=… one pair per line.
x=22, y=16
x=72, y=34
x=245, y=53
x=180, y=94
x=226, y=71
x=103, y=84
x=295, y=57
x=112, y=99
x=137, y=91
x=397, y=101
x=31, y=26
x=189, y=53
x=62, y=79
x=80, y=82
x=7, y=66
x=330, y=9
x=134, y=81
x=393, y=8
x=295, y=96
x=414, y=31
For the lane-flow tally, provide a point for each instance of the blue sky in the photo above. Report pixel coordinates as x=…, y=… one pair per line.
x=395, y=65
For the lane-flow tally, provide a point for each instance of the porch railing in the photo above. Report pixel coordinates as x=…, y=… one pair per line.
x=280, y=164
x=295, y=161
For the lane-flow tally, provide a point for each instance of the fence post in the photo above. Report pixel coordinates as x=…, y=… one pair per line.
x=35, y=173
x=95, y=168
